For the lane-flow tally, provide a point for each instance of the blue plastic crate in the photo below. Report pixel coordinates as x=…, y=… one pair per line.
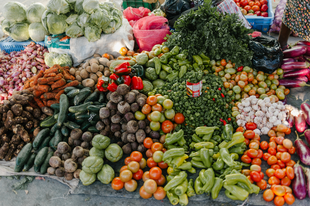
x=262, y=23
x=8, y=45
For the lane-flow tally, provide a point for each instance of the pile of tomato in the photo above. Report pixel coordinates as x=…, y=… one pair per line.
x=250, y=8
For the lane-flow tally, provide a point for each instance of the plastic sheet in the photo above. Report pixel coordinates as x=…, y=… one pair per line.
x=134, y=14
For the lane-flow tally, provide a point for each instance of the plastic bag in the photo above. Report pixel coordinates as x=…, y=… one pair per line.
x=267, y=54
x=135, y=13
x=174, y=8
x=276, y=25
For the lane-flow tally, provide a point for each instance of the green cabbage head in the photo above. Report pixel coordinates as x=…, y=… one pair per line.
x=56, y=24
x=14, y=12
x=19, y=31
x=34, y=12
x=37, y=32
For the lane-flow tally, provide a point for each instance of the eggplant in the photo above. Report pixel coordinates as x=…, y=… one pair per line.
x=307, y=58
x=287, y=60
x=300, y=122
x=290, y=83
x=303, y=43
x=299, y=182
x=297, y=73
x=307, y=174
x=290, y=120
x=305, y=107
x=295, y=65
x=304, y=79
x=307, y=136
x=302, y=150
x=295, y=51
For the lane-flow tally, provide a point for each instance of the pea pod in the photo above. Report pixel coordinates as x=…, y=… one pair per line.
x=218, y=184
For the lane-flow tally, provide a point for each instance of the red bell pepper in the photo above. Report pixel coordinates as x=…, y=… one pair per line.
x=112, y=87
x=137, y=83
x=127, y=79
x=122, y=69
x=103, y=84
x=114, y=76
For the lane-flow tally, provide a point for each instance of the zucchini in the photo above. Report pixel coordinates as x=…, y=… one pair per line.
x=45, y=143
x=46, y=164
x=37, y=168
x=56, y=139
x=79, y=108
x=38, y=161
x=83, y=116
x=80, y=86
x=64, y=131
x=22, y=157
x=68, y=89
x=55, y=106
x=71, y=125
x=84, y=93
x=102, y=97
x=95, y=108
x=93, y=97
x=48, y=122
x=85, y=126
x=29, y=163
x=56, y=116
x=73, y=93
x=54, y=128
x=93, y=129
x=94, y=117
x=40, y=137
x=64, y=104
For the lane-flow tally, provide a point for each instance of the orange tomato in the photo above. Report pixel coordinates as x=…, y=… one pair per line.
x=130, y=53
x=157, y=107
x=292, y=150
x=223, y=62
x=147, y=142
x=136, y=156
x=281, y=164
x=290, y=172
x=179, y=118
x=167, y=126
x=288, y=189
x=268, y=195
x=271, y=133
x=285, y=157
x=273, y=181
x=155, y=173
x=282, y=134
x=151, y=100
x=117, y=184
x=273, y=145
x=280, y=148
x=279, y=140
x=146, y=109
x=106, y=55
x=146, y=176
x=160, y=193
x=149, y=153
x=279, y=173
x=163, y=165
x=239, y=129
x=144, y=194
x=291, y=163
x=278, y=155
x=262, y=184
x=123, y=51
x=266, y=156
x=281, y=128
x=157, y=147
x=127, y=160
x=256, y=161
x=125, y=167
x=272, y=139
x=161, y=180
x=279, y=201
x=286, y=181
x=272, y=151
x=270, y=172
x=275, y=166
x=149, y=117
x=288, y=131
x=289, y=198
x=151, y=163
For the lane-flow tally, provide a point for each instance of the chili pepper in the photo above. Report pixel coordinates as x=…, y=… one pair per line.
x=236, y=138
x=170, y=77
x=183, y=200
x=127, y=80
x=136, y=83
x=205, y=130
x=185, y=166
x=216, y=156
x=196, y=139
x=218, y=184
x=178, y=179
x=224, y=122
x=173, y=199
x=205, y=157
x=175, y=50
x=236, y=191
x=192, y=170
x=183, y=70
x=201, y=176
x=229, y=119
x=175, y=66
x=181, y=56
x=181, y=189
x=198, y=164
x=230, y=196
x=219, y=164
x=157, y=65
x=234, y=156
x=227, y=132
x=166, y=68
x=208, y=145
x=207, y=137
x=209, y=175
x=171, y=146
x=226, y=157
x=204, y=57
x=183, y=62
x=237, y=150
x=175, y=152
x=170, y=177
x=196, y=67
x=233, y=179
x=175, y=137
x=137, y=70
x=182, y=141
x=217, y=138
x=122, y=69
x=240, y=69
x=198, y=186
x=197, y=59
x=164, y=58
x=112, y=87
x=198, y=159
x=177, y=161
x=114, y=76
x=195, y=154
x=190, y=190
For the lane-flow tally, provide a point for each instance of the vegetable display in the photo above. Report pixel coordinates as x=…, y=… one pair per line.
x=251, y=8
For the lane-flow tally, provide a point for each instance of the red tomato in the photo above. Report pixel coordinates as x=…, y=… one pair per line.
x=250, y=125
x=286, y=181
x=179, y=118
x=249, y=178
x=251, y=3
x=136, y=156
x=262, y=2
x=161, y=181
x=264, y=8
x=264, y=145
x=281, y=164
x=279, y=173
x=272, y=151
x=148, y=142
x=262, y=184
x=290, y=172
x=258, y=13
x=162, y=165
x=155, y=173
x=275, y=166
x=272, y=160
x=127, y=160
x=117, y=183
x=292, y=150
x=252, y=153
x=266, y=156
x=255, y=176
x=256, y=161
x=264, y=14
x=246, y=159
x=243, y=3
x=151, y=163
x=138, y=175
x=249, y=134
x=273, y=181
x=167, y=126
x=270, y=172
x=260, y=154
x=255, y=8
x=258, y=4
x=238, y=4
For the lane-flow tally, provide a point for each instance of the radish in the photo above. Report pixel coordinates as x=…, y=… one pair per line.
x=307, y=174
x=295, y=51
x=305, y=107
x=300, y=122
x=292, y=83
x=303, y=43
x=302, y=150
x=299, y=182
x=296, y=73
x=288, y=60
x=307, y=136
x=295, y=65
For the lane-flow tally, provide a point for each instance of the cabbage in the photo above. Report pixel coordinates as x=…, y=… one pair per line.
x=34, y=12
x=92, y=32
x=79, y=6
x=49, y=58
x=63, y=60
x=56, y=24
x=37, y=32
x=74, y=31
x=72, y=18
x=19, y=31
x=107, y=6
x=58, y=6
x=71, y=1
x=5, y=24
x=100, y=18
x=14, y=12
x=113, y=26
x=82, y=20
x=90, y=5
x=44, y=19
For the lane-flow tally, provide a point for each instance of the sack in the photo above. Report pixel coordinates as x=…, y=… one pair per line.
x=135, y=13
x=174, y=8
x=267, y=54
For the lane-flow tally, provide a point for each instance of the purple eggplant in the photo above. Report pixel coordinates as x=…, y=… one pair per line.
x=299, y=182
x=307, y=174
x=286, y=60
x=300, y=122
x=302, y=150
x=303, y=43
x=295, y=65
x=305, y=107
x=296, y=73
x=289, y=83
x=290, y=120
x=300, y=59
x=304, y=79
x=307, y=136
x=295, y=51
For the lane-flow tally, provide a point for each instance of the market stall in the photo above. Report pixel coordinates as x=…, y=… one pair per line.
x=203, y=112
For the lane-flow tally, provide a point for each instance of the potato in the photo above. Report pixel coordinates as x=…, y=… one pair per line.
x=66, y=156
x=76, y=174
x=60, y=172
x=99, y=74
x=97, y=55
x=76, y=134
x=93, y=60
x=85, y=145
x=68, y=176
x=77, y=152
x=84, y=74
x=127, y=148
x=94, y=77
x=51, y=170
x=94, y=67
x=103, y=61
x=77, y=73
x=109, y=63
x=87, y=136
x=17, y=109
x=72, y=71
x=86, y=64
x=88, y=82
x=88, y=69
x=70, y=165
x=101, y=68
x=107, y=73
x=63, y=147
x=78, y=77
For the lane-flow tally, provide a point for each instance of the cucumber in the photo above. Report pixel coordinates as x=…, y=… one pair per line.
x=56, y=139
x=46, y=164
x=73, y=93
x=97, y=103
x=64, y=131
x=80, y=86
x=64, y=104
x=37, y=168
x=93, y=122
x=71, y=116
x=102, y=97
x=84, y=93
x=68, y=89
x=54, y=128
x=94, y=117
x=83, y=116
x=79, y=108
x=55, y=106
x=80, y=121
x=71, y=125
x=85, y=126
x=95, y=108
x=93, y=97
x=38, y=161
x=48, y=122
x=93, y=129
x=22, y=157
x=56, y=116
x=30, y=162
x=71, y=102
x=45, y=143
x=40, y=137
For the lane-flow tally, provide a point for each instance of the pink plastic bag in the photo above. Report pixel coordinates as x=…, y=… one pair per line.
x=135, y=13
x=149, y=31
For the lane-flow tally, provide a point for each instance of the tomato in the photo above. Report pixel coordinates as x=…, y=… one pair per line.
x=273, y=145
x=151, y=163
x=138, y=175
x=149, y=117
x=247, y=141
x=289, y=198
x=250, y=125
x=255, y=176
x=264, y=8
x=288, y=131
x=149, y=153
x=142, y=163
x=136, y=156
x=125, y=167
x=257, y=137
x=246, y=172
x=144, y=194
x=281, y=164
x=246, y=159
x=179, y=118
x=155, y=116
x=255, y=8
x=290, y=172
x=272, y=151
x=288, y=189
x=151, y=100
x=148, y=142
x=260, y=153
x=250, y=179
x=286, y=181
x=280, y=148
x=238, y=4
x=150, y=186
x=258, y=4
x=292, y=150
x=240, y=129
x=127, y=160
x=272, y=139
x=133, y=166
x=123, y=51
x=272, y=160
x=125, y=175
x=256, y=161
x=271, y=133
x=161, y=180
x=278, y=155
x=249, y=134
x=278, y=190
x=155, y=173
x=275, y=166
x=131, y=185
x=254, y=145
x=287, y=144
x=117, y=183
x=261, y=175
x=157, y=107
x=251, y=3
x=157, y=156
x=285, y=157
x=279, y=140
x=268, y=195
x=243, y=3
x=266, y=156
x=167, y=126
x=262, y=2
x=279, y=173
x=160, y=193
x=255, y=168
x=278, y=201
x=162, y=165
x=155, y=126
x=252, y=153
x=146, y=176
x=291, y=163
x=273, y=180
x=160, y=99
x=168, y=104
x=262, y=184
x=146, y=109
x=270, y=172
x=169, y=113
x=157, y=146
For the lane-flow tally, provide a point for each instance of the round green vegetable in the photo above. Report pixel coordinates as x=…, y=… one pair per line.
x=147, y=86
x=142, y=58
x=100, y=142
x=92, y=164
x=114, y=152
x=151, y=74
x=87, y=178
x=106, y=174
x=96, y=152
x=158, y=82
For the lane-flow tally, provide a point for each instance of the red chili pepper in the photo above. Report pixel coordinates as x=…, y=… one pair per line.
x=114, y=76
x=127, y=79
x=137, y=83
x=224, y=122
x=220, y=88
x=240, y=69
x=229, y=119
x=122, y=69
x=221, y=120
x=112, y=87
x=213, y=99
x=222, y=95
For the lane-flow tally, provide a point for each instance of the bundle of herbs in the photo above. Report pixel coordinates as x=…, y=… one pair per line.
x=219, y=36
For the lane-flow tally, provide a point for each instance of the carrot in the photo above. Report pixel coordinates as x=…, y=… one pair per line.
x=54, y=69
x=50, y=83
x=50, y=102
x=44, y=102
x=40, y=74
x=27, y=85
x=50, y=79
x=50, y=75
x=70, y=84
x=68, y=76
x=58, y=84
x=39, y=102
x=33, y=105
x=43, y=88
x=48, y=95
x=37, y=93
x=31, y=84
x=57, y=97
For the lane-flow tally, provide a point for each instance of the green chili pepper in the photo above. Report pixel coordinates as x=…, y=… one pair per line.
x=174, y=152
x=174, y=200
x=236, y=191
x=170, y=77
x=197, y=164
x=197, y=59
x=216, y=156
x=181, y=56
x=209, y=175
x=230, y=196
x=157, y=65
x=170, y=177
x=166, y=68
x=211, y=152
x=207, y=137
x=198, y=159
x=196, y=67
x=236, y=150
x=183, y=200
x=181, y=189
x=233, y=179
x=176, y=66
x=214, y=142
x=183, y=62
x=164, y=58
x=190, y=190
x=175, y=50
x=205, y=157
x=218, y=184
x=228, y=132
x=201, y=176
x=175, y=137
x=183, y=70
x=205, y=130
x=157, y=51
x=226, y=157
x=198, y=186
x=208, y=145
x=176, y=180
x=217, y=138
x=173, y=60
x=195, y=154
x=236, y=139
x=185, y=166
x=182, y=141
x=219, y=164
x=196, y=139
x=171, y=146
x=178, y=161
x=192, y=170
x=234, y=156
x=204, y=57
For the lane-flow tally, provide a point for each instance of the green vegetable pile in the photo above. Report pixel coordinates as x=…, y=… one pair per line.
x=216, y=35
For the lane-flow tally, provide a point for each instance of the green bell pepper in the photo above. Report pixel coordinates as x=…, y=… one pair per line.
x=228, y=132
x=236, y=139
x=190, y=190
x=178, y=179
x=198, y=186
x=218, y=184
x=204, y=57
x=226, y=157
x=138, y=70
x=236, y=191
x=236, y=150
x=205, y=157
